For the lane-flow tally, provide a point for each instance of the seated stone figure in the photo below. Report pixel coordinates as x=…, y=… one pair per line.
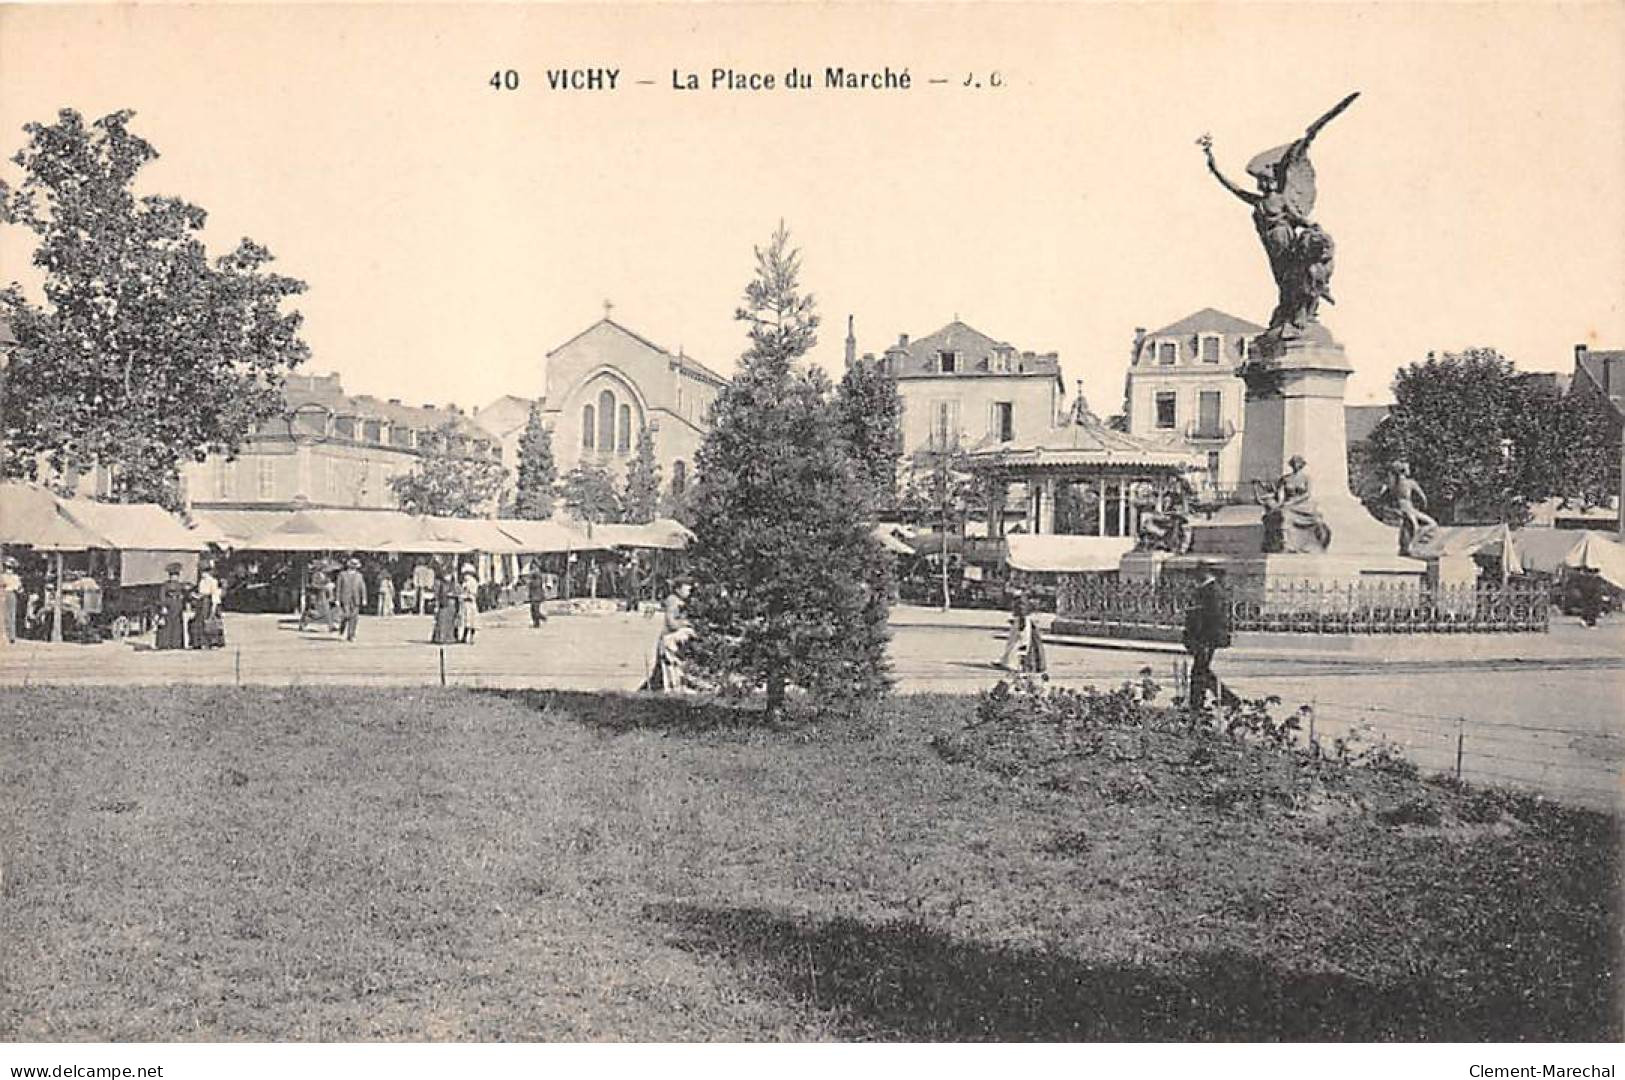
x=1163, y=520
x=1293, y=523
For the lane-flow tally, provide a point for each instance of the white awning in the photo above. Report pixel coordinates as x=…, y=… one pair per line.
x=1066, y=554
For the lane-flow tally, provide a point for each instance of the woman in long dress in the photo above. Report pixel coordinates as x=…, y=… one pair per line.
x=172, y=596
x=209, y=632
x=468, y=607
x=446, y=603
x=1019, y=642
x=668, y=675
x=386, y=593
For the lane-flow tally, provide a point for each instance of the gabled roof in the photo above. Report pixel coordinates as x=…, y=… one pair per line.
x=976, y=351
x=1210, y=319
x=687, y=363
x=1606, y=370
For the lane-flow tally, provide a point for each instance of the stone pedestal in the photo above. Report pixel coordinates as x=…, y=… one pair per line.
x=1295, y=406
x=1143, y=567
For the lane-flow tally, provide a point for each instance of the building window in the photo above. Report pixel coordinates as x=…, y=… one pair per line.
x=679, y=477
x=1165, y=409
x=1207, y=414
x=588, y=427
x=267, y=477
x=1004, y=420
x=1211, y=344
x=624, y=443
x=1213, y=467
x=606, y=421
x=945, y=425
x=948, y=361
x=373, y=431
x=1167, y=352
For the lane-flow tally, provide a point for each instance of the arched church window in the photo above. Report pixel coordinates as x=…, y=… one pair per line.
x=625, y=442
x=587, y=427
x=606, y=421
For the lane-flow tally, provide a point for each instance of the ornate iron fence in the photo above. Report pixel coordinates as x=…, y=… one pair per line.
x=1105, y=607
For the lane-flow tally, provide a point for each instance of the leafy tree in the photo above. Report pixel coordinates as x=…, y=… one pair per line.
x=1483, y=441
x=792, y=588
x=145, y=354
x=590, y=494
x=448, y=480
x=642, y=500
x=871, y=413
x=538, y=472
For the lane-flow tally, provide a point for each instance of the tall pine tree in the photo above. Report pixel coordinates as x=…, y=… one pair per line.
x=792, y=588
x=870, y=415
x=642, y=499
x=538, y=472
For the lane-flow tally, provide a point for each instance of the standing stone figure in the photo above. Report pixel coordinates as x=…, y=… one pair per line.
x=1300, y=252
x=1414, y=526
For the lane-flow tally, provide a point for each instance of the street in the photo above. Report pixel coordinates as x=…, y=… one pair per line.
x=1538, y=710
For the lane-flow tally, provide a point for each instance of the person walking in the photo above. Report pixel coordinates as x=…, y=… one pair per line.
x=351, y=590
x=536, y=591
x=11, y=597
x=468, y=606
x=1024, y=646
x=1207, y=629
x=633, y=582
x=386, y=593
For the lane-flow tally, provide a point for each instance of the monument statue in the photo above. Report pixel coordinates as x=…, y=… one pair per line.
x=1293, y=523
x=1300, y=252
x=1163, y=519
x=1415, y=527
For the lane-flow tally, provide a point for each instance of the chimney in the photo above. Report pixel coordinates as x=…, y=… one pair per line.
x=1139, y=339
x=394, y=401
x=430, y=406
x=902, y=341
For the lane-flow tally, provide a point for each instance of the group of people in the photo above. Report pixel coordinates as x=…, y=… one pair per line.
x=336, y=602
x=189, y=616
x=456, y=607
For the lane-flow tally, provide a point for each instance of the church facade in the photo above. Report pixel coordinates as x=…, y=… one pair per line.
x=601, y=388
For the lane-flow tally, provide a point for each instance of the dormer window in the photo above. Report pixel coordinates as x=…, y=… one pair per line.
x=1167, y=352
x=1211, y=347
x=947, y=361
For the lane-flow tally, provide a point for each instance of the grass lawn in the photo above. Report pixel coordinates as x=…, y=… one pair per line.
x=346, y=864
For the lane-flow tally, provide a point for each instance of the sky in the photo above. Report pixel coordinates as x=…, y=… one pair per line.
x=451, y=234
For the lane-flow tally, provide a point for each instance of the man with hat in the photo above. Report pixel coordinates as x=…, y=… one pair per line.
x=1207, y=629
x=11, y=594
x=352, y=597
x=536, y=591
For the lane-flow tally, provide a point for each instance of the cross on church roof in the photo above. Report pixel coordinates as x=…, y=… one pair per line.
x=608, y=307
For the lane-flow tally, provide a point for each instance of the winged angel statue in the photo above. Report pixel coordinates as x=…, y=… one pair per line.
x=1300, y=252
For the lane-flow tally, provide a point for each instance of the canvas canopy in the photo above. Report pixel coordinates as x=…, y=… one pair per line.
x=473, y=534
x=33, y=517
x=1600, y=554
x=1051, y=554
x=133, y=526
x=546, y=537
x=662, y=533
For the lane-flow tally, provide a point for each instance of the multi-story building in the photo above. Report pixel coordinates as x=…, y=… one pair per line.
x=1183, y=389
x=600, y=388
x=330, y=450
x=961, y=388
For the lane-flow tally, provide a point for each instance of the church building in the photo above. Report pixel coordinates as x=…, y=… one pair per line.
x=601, y=387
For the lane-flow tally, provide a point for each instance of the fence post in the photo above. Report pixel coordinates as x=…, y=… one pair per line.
x=1314, y=743
x=442, y=665
x=1461, y=736
x=237, y=666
